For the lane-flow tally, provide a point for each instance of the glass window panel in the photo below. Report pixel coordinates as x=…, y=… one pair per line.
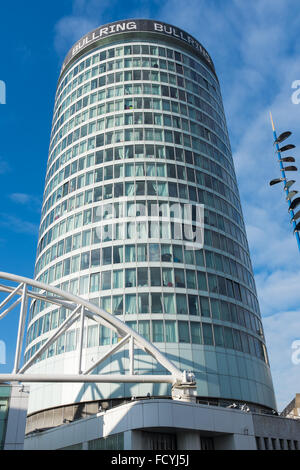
x=130, y=277
x=196, y=333
x=142, y=274
x=95, y=282
x=106, y=255
x=118, y=279
x=70, y=340
x=92, y=338
x=169, y=304
x=181, y=304
x=205, y=312
x=183, y=332
x=207, y=334
x=215, y=308
x=212, y=283
x=144, y=329
x=118, y=254
x=155, y=276
x=130, y=253
x=225, y=311
x=219, y=337
x=157, y=331
x=154, y=254
x=84, y=285
x=228, y=337
x=156, y=303
x=168, y=277
x=202, y=284
x=117, y=304
x=141, y=252
x=166, y=253
x=190, y=279
x=95, y=258
x=193, y=305
x=179, y=277
x=106, y=280
x=177, y=254
x=130, y=303
x=104, y=335
x=143, y=303
x=171, y=331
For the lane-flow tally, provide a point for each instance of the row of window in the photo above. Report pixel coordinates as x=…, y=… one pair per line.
x=150, y=229
x=141, y=276
x=156, y=252
x=139, y=151
x=137, y=189
x=138, y=118
x=138, y=62
x=163, y=303
x=136, y=49
x=145, y=76
x=157, y=331
x=146, y=186
x=60, y=145
x=148, y=103
x=140, y=209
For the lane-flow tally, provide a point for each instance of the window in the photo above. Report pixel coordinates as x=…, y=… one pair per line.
x=207, y=334
x=156, y=303
x=157, y=331
x=183, y=332
x=171, y=333
x=196, y=333
x=143, y=303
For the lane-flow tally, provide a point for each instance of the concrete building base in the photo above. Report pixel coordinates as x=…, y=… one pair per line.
x=156, y=424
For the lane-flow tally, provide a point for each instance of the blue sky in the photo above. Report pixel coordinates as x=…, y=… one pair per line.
x=256, y=52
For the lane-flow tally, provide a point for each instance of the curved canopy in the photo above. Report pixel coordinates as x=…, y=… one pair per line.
x=79, y=310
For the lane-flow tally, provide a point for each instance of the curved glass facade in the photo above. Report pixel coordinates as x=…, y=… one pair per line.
x=138, y=134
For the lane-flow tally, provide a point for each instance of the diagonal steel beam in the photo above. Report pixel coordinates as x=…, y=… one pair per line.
x=65, y=325
x=107, y=354
x=10, y=296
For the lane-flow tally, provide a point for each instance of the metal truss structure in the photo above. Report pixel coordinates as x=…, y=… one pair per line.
x=183, y=383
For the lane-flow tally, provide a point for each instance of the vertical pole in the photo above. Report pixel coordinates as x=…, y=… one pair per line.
x=131, y=355
x=284, y=176
x=22, y=318
x=81, y=331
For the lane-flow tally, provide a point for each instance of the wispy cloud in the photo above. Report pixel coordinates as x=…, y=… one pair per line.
x=85, y=16
x=27, y=200
x=16, y=224
x=4, y=166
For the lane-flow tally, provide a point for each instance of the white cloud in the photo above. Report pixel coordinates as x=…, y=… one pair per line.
x=16, y=224
x=281, y=330
x=4, y=166
x=25, y=199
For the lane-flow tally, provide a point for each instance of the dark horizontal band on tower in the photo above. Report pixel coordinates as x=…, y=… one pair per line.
x=136, y=26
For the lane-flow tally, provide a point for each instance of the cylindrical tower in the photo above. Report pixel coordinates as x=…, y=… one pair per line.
x=138, y=129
